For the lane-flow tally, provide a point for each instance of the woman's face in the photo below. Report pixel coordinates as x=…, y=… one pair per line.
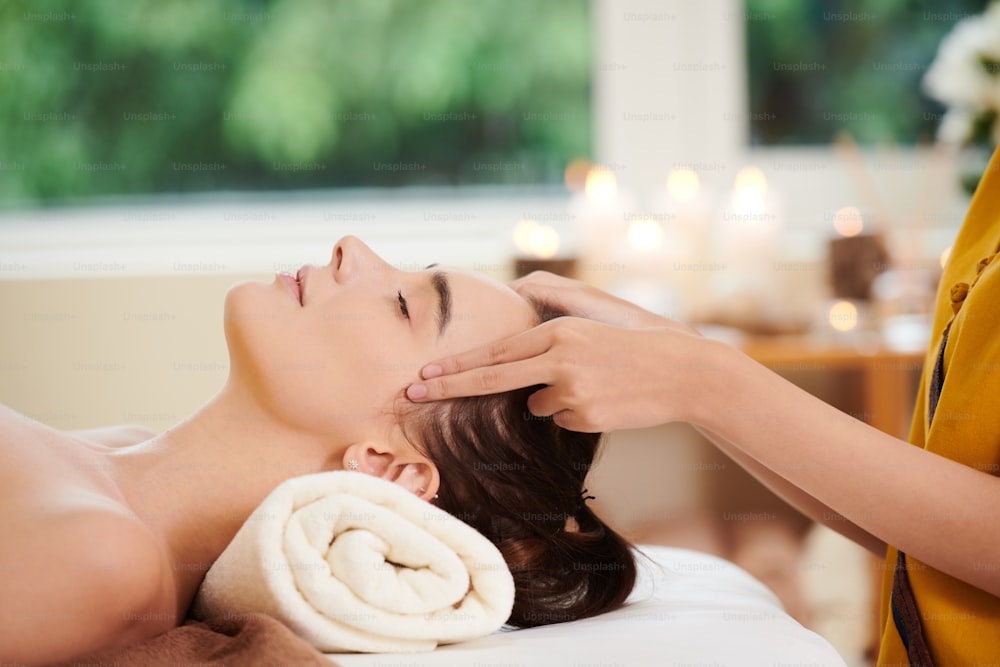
x=335, y=362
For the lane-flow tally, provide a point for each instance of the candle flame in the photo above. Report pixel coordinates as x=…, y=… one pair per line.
x=848, y=221
x=532, y=238
x=602, y=186
x=575, y=176
x=645, y=234
x=683, y=183
x=749, y=190
x=843, y=316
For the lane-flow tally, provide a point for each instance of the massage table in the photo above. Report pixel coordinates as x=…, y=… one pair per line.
x=688, y=608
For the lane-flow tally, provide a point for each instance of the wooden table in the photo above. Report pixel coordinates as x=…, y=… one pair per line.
x=888, y=378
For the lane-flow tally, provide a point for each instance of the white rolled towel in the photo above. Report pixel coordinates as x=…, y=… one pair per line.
x=352, y=562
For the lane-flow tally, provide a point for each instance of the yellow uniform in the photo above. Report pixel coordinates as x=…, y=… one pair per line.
x=928, y=617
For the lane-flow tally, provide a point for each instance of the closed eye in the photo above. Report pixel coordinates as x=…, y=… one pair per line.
x=402, y=305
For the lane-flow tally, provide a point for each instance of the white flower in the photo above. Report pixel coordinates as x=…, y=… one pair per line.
x=957, y=77
x=955, y=127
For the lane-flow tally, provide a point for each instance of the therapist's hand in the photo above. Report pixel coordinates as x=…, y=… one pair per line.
x=582, y=300
x=600, y=377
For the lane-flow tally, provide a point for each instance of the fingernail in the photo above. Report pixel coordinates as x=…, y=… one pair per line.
x=415, y=391
x=431, y=371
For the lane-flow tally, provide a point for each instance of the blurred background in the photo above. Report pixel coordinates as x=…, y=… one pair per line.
x=787, y=176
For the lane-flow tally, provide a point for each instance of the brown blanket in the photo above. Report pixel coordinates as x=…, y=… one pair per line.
x=254, y=640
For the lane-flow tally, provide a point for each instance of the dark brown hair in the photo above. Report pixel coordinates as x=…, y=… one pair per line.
x=518, y=479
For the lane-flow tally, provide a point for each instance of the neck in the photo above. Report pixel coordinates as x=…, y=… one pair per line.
x=195, y=484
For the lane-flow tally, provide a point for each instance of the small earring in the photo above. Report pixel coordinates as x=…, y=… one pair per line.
x=352, y=464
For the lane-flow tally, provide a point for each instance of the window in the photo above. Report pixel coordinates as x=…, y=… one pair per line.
x=817, y=68
x=121, y=97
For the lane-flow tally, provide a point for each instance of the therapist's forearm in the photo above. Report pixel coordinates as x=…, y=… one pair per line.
x=796, y=497
x=933, y=508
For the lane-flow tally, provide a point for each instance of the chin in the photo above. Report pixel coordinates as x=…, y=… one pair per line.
x=246, y=303
x=252, y=301
x=251, y=316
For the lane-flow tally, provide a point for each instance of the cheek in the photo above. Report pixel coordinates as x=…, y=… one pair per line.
x=361, y=375
x=371, y=364
x=274, y=357
x=322, y=370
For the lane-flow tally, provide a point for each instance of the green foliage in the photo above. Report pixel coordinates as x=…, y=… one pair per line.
x=135, y=96
x=859, y=67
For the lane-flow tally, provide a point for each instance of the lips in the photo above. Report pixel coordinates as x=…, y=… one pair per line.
x=302, y=277
x=292, y=283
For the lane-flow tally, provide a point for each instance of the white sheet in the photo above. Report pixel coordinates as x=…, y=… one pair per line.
x=688, y=609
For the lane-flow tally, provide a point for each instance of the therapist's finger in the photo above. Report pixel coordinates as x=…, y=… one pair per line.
x=480, y=381
x=572, y=421
x=488, y=369
x=550, y=289
x=540, y=279
x=551, y=403
x=524, y=345
x=546, y=402
x=569, y=403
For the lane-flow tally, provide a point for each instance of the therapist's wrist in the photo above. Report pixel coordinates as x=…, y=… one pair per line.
x=710, y=379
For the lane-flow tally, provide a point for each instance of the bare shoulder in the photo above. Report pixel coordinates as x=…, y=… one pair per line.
x=78, y=570
x=79, y=573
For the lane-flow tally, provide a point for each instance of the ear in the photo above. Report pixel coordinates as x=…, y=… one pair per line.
x=404, y=466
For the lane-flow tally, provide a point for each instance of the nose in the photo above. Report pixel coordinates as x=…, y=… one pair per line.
x=352, y=259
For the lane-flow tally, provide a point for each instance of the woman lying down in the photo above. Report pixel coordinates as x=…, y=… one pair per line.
x=107, y=541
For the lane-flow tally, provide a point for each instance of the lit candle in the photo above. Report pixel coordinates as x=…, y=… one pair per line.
x=855, y=258
x=677, y=220
x=538, y=245
x=599, y=208
x=750, y=223
x=843, y=316
x=744, y=289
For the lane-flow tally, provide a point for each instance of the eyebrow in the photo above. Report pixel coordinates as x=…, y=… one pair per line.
x=439, y=281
